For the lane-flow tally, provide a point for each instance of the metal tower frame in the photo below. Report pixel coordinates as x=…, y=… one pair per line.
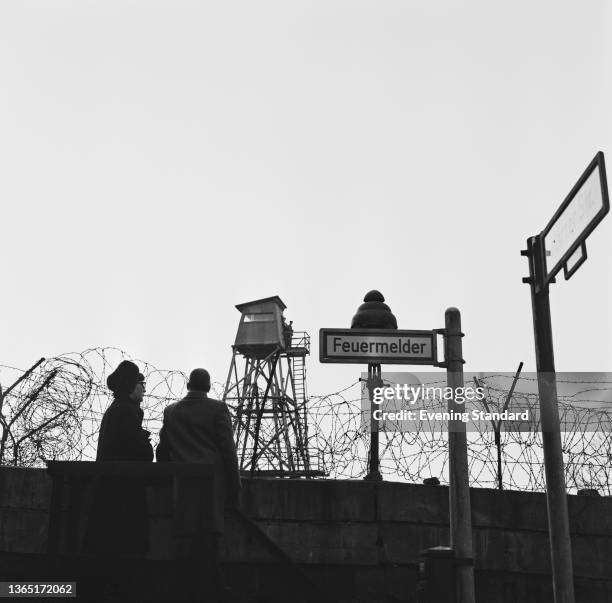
x=268, y=399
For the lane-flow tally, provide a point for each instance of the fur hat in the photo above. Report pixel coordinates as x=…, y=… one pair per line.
x=124, y=378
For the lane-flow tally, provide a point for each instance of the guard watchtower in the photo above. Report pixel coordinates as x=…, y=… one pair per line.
x=261, y=327
x=266, y=389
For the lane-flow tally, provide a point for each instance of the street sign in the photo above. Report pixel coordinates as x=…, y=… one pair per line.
x=585, y=206
x=363, y=346
x=560, y=245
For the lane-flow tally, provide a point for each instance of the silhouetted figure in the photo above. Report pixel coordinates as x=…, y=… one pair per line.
x=198, y=429
x=287, y=332
x=118, y=518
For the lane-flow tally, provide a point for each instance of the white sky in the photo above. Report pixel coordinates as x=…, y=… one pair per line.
x=164, y=161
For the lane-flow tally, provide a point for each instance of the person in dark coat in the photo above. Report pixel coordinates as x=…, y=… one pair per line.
x=118, y=519
x=198, y=429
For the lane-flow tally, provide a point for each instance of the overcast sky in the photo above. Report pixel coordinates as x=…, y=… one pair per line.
x=164, y=161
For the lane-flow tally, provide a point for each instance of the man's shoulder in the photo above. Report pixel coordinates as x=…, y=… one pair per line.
x=216, y=405
x=193, y=405
x=169, y=408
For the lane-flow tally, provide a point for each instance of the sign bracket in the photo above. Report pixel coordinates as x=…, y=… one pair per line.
x=441, y=363
x=568, y=273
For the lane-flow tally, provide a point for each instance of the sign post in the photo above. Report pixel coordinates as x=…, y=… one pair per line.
x=375, y=346
x=458, y=470
x=560, y=245
x=374, y=381
x=393, y=346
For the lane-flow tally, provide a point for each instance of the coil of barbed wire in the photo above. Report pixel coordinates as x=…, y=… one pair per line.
x=54, y=410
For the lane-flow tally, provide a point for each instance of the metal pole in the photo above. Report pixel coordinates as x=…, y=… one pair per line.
x=497, y=424
x=556, y=495
x=459, y=483
x=374, y=380
x=500, y=483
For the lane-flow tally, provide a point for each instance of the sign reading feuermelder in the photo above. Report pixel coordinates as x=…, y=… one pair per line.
x=361, y=346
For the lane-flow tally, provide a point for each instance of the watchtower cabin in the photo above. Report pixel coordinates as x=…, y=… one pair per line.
x=266, y=389
x=261, y=330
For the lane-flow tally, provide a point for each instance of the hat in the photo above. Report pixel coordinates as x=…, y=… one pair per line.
x=124, y=378
x=199, y=380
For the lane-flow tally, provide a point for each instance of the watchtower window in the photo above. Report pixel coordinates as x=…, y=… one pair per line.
x=259, y=317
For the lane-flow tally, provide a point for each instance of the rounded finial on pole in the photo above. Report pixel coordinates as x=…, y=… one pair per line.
x=374, y=313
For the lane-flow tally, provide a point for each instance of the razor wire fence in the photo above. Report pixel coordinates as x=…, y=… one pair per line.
x=53, y=412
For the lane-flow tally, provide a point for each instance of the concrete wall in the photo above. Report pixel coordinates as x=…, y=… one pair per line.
x=25, y=495
x=362, y=540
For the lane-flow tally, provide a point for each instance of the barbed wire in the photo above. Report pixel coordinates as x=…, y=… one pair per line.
x=54, y=411
x=72, y=404
x=421, y=450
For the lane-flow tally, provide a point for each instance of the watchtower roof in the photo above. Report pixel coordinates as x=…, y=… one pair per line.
x=275, y=298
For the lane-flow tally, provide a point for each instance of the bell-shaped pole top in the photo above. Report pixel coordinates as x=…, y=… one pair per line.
x=374, y=313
